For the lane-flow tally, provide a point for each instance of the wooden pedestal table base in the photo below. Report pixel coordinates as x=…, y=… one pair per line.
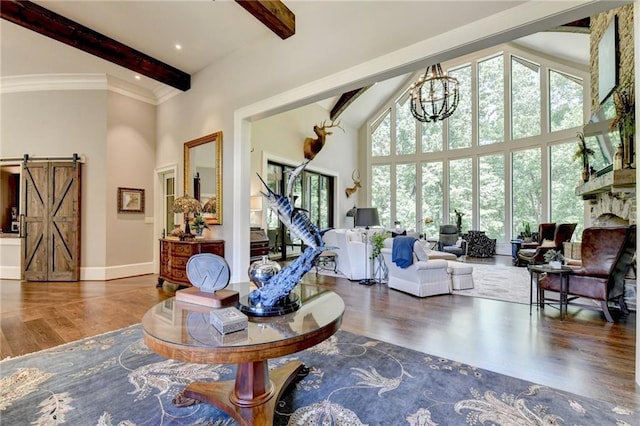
x=251, y=398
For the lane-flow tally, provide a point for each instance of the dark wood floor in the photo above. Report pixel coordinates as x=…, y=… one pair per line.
x=583, y=354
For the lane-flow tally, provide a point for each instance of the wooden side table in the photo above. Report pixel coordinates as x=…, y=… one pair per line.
x=174, y=255
x=564, y=273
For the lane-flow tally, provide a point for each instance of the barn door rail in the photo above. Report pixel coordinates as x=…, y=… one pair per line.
x=26, y=158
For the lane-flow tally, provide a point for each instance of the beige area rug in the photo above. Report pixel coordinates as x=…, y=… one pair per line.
x=499, y=282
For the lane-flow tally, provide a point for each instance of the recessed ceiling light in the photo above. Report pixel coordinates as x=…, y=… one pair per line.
x=178, y=46
x=137, y=77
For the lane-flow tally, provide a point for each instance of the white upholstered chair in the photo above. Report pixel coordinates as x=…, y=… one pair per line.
x=351, y=259
x=427, y=277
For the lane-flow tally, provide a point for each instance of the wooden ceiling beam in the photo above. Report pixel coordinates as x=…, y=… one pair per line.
x=273, y=14
x=344, y=101
x=48, y=23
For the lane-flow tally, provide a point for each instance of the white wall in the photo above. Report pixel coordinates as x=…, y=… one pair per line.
x=115, y=137
x=58, y=124
x=280, y=138
x=131, y=152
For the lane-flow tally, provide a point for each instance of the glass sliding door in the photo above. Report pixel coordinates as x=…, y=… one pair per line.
x=312, y=192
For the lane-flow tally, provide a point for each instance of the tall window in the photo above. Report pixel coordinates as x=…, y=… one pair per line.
x=526, y=188
x=491, y=157
x=406, y=195
x=460, y=123
x=565, y=101
x=381, y=192
x=460, y=196
x=525, y=98
x=381, y=136
x=491, y=100
x=565, y=206
x=491, y=188
x=432, y=197
x=405, y=128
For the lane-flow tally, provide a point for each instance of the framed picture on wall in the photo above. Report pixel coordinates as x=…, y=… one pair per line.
x=130, y=200
x=608, y=61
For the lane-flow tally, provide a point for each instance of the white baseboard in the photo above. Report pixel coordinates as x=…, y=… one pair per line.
x=115, y=272
x=10, y=272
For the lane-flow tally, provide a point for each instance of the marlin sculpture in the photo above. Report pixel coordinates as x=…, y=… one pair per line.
x=298, y=223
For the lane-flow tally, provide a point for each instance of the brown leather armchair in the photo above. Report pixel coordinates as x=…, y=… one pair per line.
x=607, y=254
x=545, y=232
x=563, y=232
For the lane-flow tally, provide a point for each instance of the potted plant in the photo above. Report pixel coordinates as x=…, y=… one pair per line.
x=583, y=152
x=554, y=258
x=526, y=232
x=199, y=224
x=624, y=122
x=377, y=243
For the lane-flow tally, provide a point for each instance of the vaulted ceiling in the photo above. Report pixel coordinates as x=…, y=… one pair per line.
x=210, y=30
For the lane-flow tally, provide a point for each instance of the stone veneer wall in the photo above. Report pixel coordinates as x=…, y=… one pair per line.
x=621, y=204
x=599, y=24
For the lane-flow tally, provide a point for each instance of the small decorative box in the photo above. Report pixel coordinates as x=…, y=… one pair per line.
x=231, y=338
x=228, y=320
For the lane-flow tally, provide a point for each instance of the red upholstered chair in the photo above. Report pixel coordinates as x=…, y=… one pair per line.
x=607, y=254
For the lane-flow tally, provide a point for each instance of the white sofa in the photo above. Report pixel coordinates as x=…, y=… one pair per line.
x=351, y=259
x=423, y=277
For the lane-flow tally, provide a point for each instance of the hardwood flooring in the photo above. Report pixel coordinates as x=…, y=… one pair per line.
x=582, y=354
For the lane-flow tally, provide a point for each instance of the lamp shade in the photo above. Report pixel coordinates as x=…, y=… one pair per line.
x=367, y=216
x=256, y=203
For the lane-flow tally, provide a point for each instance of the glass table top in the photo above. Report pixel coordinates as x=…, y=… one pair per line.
x=187, y=324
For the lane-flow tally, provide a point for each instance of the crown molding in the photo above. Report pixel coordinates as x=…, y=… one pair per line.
x=49, y=82
x=86, y=81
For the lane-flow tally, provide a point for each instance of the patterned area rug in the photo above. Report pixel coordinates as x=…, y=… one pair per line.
x=499, y=282
x=113, y=379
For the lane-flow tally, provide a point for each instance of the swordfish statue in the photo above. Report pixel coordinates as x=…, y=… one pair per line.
x=297, y=221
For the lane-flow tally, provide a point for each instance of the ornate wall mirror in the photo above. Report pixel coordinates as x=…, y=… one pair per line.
x=203, y=174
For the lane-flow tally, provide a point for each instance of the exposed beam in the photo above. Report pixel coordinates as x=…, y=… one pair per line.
x=272, y=13
x=344, y=101
x=43, y=21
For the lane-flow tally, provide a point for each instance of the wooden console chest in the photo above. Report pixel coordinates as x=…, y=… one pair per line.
x=259, y=244
x=175, y=253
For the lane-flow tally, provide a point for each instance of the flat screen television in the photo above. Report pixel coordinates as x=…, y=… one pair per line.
x=600, y=138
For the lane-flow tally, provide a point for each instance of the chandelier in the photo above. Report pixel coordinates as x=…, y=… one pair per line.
x=434, y=96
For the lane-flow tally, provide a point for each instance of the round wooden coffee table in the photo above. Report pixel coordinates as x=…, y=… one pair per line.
x=182, y=331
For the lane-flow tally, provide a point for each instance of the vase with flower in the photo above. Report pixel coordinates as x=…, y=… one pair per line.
x=554, y=258
x=199, y=224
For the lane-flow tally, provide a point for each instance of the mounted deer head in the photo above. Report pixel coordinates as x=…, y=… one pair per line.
x=313, y=146
x=350, y=190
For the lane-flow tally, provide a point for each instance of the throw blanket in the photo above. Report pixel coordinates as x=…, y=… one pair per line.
x=402, y=251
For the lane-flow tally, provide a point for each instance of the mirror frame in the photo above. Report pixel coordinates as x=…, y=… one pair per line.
x=215, y=138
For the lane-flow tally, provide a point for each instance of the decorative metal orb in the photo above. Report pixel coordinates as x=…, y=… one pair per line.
x=261, y=271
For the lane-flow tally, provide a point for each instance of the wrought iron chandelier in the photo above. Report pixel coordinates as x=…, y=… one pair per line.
x=434, y=96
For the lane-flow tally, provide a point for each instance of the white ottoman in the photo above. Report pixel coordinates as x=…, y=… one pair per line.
x=461, y=275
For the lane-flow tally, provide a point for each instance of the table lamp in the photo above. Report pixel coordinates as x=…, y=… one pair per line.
x=186, y=205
